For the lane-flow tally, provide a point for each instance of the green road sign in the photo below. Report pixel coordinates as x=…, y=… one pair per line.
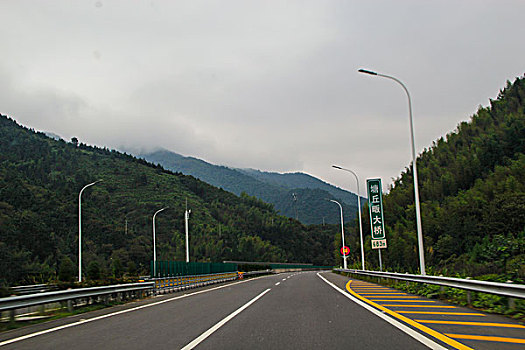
x=375, y=205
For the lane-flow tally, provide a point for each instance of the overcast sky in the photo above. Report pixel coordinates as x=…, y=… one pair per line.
x=271, y=85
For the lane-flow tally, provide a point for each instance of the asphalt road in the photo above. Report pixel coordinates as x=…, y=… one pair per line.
x=285, y=311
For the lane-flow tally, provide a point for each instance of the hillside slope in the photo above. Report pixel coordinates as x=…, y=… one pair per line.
x=472, y=186
x=40, y=179
x=310, y=206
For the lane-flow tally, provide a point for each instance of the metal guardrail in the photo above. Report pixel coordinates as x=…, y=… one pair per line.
x=256, y=273
x=161, y=285
x=171, y=284
x=21, y=301
x=32, y=289
x=510, y=290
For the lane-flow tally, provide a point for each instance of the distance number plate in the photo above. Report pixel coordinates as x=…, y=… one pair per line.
x=378, y=243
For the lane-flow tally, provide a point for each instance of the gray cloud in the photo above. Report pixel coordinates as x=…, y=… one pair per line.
x=269, y=85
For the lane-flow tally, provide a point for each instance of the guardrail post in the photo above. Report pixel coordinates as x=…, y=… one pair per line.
x=11, y=316
x=441, y=290
x=511, y=301
x=70, y=305
x=469, y=297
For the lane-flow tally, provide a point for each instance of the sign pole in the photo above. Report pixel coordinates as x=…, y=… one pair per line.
x=380, y=262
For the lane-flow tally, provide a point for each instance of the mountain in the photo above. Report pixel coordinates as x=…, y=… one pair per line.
x=295, y=195
x=40, y=180
x=304, y=181
x=472, y=186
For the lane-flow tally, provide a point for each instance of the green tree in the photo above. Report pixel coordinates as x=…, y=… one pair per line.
x=117, y=268
x=67, y=269
x=132, y=268
x=93, y=270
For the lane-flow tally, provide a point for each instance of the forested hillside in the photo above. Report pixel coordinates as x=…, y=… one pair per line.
x=295, y=195
x=472, y=185
x=40, y=179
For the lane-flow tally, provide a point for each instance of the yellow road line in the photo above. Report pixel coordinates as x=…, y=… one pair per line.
x=421, y=327
x=371, y=288
x=486, y=338
x=481, y=324
x=406, y=301
x=396, y=296
x=384, y=294
x=439, y=313
x=434, y=306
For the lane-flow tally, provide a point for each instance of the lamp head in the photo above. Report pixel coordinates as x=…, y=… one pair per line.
x=367, y=71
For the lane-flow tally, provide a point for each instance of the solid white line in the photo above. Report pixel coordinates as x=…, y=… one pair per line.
x=278, y=283
x=417, y=336
x=206, y=334
x=27, y=336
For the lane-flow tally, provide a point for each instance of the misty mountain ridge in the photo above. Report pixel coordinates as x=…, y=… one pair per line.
x=296, y=195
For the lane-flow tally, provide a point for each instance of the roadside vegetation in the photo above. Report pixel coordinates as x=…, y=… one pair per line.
x=40, y=180
x=472, y=188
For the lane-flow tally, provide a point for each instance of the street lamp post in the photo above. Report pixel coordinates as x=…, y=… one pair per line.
x=154, y=246
x=186, y=219
x=359, y=207
x=414, y=170
x=342, y=232
x=80, y=229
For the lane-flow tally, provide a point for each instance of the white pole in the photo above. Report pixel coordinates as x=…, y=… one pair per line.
x=186, y=219
x=380, y=261
x=154, y=245
x=342, y=232
x=359, y=207
x=80, y=229
x=414, y=170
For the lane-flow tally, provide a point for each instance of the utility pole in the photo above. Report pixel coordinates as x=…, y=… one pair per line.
x=294, y=196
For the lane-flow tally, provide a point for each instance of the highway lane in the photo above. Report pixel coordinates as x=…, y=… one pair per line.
x=174, y=323
x=287, y=311
x=304, y=312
